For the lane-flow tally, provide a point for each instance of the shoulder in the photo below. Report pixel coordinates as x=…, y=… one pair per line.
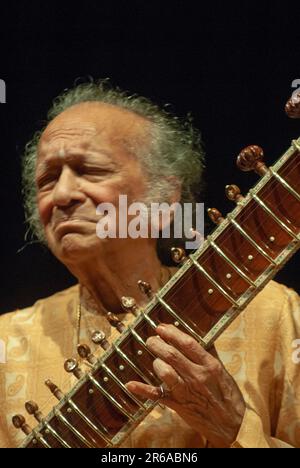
x=274, y=309
x=273, y=303
x=28, y=314
x=274, y=294
x=59, y=298
x=269, y=312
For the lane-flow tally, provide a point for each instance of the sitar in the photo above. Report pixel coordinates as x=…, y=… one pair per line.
x=210, y=289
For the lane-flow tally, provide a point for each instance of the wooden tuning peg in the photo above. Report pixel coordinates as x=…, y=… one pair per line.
x=215, y=215
x=178, y=255
x=20, y=423
x=84, y=352
x=115, y=322
x=145, y=288
x=99, y=338
x=54, y=389
x=71, y=366
x=292, y=107
x=233, y=193
x=251, y=159
x=198, y=237
x=33, y=409
x=129, y=305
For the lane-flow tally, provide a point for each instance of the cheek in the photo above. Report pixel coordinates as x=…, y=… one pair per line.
x=131, y=184
x=106, y=193
x=45, y=209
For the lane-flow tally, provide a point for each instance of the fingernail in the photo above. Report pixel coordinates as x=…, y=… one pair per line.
x=130, y=386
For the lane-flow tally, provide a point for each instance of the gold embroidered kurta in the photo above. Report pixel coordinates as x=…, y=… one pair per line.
x=257, y=350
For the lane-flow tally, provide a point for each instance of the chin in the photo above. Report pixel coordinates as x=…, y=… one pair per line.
x=73, y=246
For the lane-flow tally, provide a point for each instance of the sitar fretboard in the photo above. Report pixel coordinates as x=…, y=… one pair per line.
x=206, y=294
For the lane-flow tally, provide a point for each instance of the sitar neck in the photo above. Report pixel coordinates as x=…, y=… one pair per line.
x=213, y=286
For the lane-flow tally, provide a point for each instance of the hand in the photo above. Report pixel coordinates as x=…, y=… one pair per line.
x=198, y=387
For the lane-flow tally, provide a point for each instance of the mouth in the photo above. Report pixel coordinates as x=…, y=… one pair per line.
x=73, y=224
x=72, y=219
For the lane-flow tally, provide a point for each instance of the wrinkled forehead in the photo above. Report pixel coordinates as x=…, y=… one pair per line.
x=62, y=137
x=88, y=124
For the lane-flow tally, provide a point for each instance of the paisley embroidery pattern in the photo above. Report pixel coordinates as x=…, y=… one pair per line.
x=255, y=349
x=17, y=347
x=15, y=384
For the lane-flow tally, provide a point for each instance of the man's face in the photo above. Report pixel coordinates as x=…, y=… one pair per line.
x=83, y=160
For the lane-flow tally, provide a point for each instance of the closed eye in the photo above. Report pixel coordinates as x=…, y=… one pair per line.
x=45, y=180
x=93, y=170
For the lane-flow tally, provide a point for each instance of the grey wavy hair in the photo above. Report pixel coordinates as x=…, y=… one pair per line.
x=174, y=153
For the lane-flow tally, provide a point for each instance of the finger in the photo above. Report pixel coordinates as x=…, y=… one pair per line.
x=208, y=371
x=186, y=344
x=147, y=391
x=180, y=363
x=166, y=374
x=213, y=352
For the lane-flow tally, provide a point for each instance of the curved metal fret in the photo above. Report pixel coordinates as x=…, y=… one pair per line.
x=230, y=262
x=131, y=364
x=124, y=388
x=61, y=417
x=56, y=435
x=149, y=320
x=270, y=212
x=113, y=401
x=285, y=184
x=177, y=317
x=249, y=238
x=140, y=373
x=211, y=279
x=141, y=341
x=90, y=423
x=41, y=439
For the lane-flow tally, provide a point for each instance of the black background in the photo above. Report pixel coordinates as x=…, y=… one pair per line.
x=231, y=64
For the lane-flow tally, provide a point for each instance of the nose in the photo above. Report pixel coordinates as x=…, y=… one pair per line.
x=66, y=189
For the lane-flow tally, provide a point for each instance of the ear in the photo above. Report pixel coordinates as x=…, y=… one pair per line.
x=165, y=220
x=175, y=195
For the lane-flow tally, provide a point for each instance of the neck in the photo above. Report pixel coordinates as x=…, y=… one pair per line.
x=114, y=272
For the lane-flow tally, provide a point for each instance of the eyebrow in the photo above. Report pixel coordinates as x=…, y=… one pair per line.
x=55, y=160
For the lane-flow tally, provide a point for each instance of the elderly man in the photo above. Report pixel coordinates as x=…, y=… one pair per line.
x=100, y=143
